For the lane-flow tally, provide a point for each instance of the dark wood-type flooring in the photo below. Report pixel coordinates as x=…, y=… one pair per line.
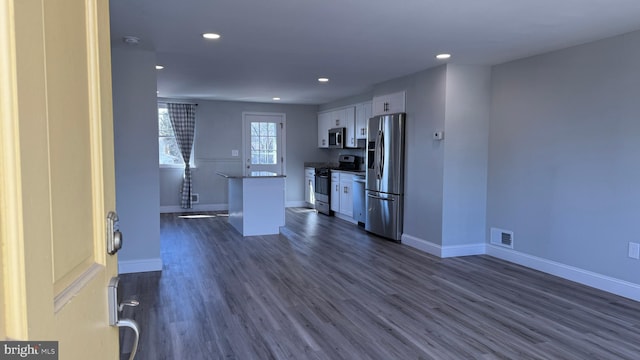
x=325, y=289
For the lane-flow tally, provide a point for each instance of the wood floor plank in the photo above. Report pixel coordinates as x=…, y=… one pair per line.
x=325, y=289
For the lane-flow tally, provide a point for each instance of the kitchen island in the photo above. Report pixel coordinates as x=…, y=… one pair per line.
x=256, y=202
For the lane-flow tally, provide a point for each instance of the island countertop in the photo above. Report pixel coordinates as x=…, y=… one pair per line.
x=251, y=175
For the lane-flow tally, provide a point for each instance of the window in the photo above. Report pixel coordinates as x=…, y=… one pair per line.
x=264, y=143
x=169, y=151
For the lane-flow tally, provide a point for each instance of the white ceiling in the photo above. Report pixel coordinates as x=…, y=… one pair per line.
x=280, y=47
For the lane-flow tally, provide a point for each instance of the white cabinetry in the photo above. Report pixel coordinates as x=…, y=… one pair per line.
x=346, y=197
x=341, y=194
x=335, y=191
x=363, y=113
x=389, y=104
x=349, y=123
x=324, y=124
x=310, y=187
x=345, y=117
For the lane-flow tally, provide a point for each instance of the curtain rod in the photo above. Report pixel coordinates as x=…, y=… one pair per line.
x=175, y=102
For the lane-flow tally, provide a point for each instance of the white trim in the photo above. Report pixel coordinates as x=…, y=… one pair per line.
x=464, y=250
x=282, y=150
x=301, y=203
x=218, y=207
x=422, y=245
x=137, y=266
x=585, y=277
x=443, y=252
x=195, y=208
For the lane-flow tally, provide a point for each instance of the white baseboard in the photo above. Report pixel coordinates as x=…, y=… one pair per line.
x=137, y=266
x=585, y=277
x=195, y=208
x=216, y=207
x=440, y=251
x=295, y=204
x=422, y=245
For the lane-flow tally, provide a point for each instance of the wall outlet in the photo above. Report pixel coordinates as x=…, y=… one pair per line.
x=235, y=153
x=634, y=250
x=438, y=135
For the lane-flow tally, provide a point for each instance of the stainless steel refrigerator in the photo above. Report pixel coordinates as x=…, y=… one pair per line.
x=385, y=175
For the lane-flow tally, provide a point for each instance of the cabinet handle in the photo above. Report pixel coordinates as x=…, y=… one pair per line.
x=336, y=187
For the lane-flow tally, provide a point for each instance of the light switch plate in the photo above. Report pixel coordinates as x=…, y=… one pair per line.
x=235, y=153
x=634, y=250
x=438, y=135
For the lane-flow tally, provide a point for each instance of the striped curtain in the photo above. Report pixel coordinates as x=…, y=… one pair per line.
x=183, y=121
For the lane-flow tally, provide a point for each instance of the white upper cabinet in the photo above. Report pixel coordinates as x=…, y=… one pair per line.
x=345, y=117
x=325, y=120
x=389, y=104
x=363, y=113
x=350, y=126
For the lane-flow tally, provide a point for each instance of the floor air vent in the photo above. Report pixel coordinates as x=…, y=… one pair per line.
x=502, y=237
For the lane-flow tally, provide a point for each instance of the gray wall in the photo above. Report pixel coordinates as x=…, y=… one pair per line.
x=466, y=144
x=445, y=181
x=424, y=158
x=136, y=157
x=219, y=130
x=563, y=156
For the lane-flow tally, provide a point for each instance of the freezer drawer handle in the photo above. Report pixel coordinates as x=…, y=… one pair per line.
x=380, y=198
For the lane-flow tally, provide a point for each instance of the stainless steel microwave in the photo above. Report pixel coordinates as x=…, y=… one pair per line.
x=336, y=138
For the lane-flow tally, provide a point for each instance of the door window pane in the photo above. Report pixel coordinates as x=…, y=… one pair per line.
x=264, y=146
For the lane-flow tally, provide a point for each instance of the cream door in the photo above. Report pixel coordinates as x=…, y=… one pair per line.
x=57, y=178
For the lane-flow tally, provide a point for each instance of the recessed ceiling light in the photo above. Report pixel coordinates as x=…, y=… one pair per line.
x=443, y=56
x=276, y=98
x=211, y=36
x=131, y=40
x=323, y=79
x=159, y=67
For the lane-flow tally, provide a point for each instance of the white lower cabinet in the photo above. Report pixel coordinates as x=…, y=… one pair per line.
x=335, y=191
x=346, y=197
x=310, y=187
x=341, y=194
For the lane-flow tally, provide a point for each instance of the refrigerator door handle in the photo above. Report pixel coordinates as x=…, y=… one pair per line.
x=380, y=198
x=378, y=155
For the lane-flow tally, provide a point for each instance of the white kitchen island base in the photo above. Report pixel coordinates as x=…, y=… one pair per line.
x=256, y=203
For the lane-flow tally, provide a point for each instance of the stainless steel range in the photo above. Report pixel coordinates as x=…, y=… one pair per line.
x=323, y=191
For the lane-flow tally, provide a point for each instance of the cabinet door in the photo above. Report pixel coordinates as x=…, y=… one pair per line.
x=309, y=187
x=350, y=126
x=363, y=113
x=346, y=197
x=335, y=192
x=338, y=118
x=324, y=124
x=389, y=104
